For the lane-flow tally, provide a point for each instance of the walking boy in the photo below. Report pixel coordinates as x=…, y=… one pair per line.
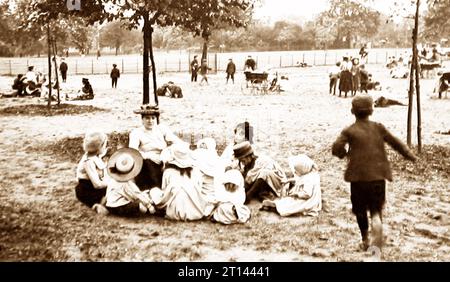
x=368, y=167
x=115, y=74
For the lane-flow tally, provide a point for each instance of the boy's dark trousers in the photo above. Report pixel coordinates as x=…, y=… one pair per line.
x=367, y=196
x=114, y=82
x=333, y=83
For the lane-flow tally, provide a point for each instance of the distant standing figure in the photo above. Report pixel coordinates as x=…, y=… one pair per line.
x=115, y=74
x=204, y=71
x=231, y=70
x=334, y=73
x=194, y=69
x=63, y=68
x=250, y=64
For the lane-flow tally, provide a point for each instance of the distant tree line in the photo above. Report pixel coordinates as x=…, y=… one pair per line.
x=346, y=24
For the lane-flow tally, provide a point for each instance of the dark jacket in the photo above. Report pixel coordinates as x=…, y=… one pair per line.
x=63, y=67
x=194, y=66
x=115, y=73
x=250, y=63
x=367, y=159
x=231, y=68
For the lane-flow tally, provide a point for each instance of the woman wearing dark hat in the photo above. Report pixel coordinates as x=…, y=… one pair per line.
x=264, y=177
x=115, y=74
x=180, y=194
x=150, y=139
x=123, y=197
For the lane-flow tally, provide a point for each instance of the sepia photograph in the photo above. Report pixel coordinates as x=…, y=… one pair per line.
x=229, y=131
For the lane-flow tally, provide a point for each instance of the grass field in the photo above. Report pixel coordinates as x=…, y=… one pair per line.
x=43, y=221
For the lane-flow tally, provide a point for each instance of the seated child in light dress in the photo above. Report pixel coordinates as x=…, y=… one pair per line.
x=231, y=198
x=305, y=196
x=123, y=197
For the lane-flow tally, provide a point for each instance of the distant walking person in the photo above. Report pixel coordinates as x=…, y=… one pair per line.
x=63, y=68
x=231, y=70
x=115, y=74
x=204, y=71
x=194, y=69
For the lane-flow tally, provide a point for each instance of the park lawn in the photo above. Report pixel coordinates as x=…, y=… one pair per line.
x=43, y=221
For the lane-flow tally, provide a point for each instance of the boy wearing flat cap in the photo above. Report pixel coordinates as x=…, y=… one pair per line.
x=368, y=167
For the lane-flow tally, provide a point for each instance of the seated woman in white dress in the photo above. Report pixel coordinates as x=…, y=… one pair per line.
x=150, y=139
x=304, y=197
x=231, y=198
x=180, y=195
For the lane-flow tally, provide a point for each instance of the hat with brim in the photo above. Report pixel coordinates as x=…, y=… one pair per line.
x=148, y=109
x=125, y=164
x=242, y=150
x=362, y=103
x=181, y=155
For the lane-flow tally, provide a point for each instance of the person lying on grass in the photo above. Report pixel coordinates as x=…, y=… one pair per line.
x=305, y=196
x=368, y=167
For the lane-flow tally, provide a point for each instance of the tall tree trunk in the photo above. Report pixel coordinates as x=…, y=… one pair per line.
x=416, y=60
x=55, y=51
x=205, y=49
x=49, y=54
x=147, y=35
x=152, y=61
x=410, y=96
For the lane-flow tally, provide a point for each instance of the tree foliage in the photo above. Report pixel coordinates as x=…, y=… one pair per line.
x=437, y=20
x=347, y=20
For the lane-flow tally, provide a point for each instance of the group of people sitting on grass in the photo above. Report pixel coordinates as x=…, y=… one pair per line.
x=35, y=84
x=158, y=173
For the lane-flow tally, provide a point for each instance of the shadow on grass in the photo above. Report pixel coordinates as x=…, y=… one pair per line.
x=71, y=148
x=44, y=110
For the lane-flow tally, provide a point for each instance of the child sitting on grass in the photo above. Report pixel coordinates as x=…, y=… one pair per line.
x=91, y=187
x=305, y=196
x=123, y=197
x=367, y=167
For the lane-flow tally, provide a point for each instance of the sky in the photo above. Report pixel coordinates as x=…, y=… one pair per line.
x=273, y=10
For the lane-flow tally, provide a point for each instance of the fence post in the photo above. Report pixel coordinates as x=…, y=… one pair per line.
x=303, y=57
x=280, y=61
x=376, y=57
x=179, y=64
x=92, y=66
x=76, y=66
x=314, y=59
x=292, y=60
x=215, y=62
x=325, y=63
x=10, y=69
x=106, y=67
x=123, y=71
x=137, y=64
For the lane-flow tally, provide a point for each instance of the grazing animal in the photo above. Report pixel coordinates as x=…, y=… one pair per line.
x=382, y=102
